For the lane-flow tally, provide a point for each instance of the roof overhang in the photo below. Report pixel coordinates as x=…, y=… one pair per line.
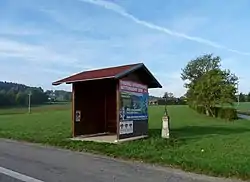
x=85, y=80
x=151, y=81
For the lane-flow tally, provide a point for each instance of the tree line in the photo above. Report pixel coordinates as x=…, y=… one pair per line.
x=170, y=99
x=244, y=97
x=14, y=94
x=167, y=99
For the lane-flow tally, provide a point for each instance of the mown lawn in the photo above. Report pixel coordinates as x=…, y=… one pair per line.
x=243, y=106
x=225, y=144
x=35, y=109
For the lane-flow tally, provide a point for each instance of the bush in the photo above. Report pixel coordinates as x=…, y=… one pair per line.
x=229, y=113
x=201, y=109
x=244, y=112
x=220, y=112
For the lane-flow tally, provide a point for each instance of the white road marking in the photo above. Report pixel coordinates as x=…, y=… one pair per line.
x=18, y=176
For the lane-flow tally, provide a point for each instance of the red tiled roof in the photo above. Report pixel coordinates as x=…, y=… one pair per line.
x=111, y=72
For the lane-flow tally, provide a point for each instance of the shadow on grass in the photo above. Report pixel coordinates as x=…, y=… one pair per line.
x=34, y=109
x=194, y=132
x=12, y=113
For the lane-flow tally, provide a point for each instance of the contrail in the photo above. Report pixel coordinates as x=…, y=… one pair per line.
x=121, y=11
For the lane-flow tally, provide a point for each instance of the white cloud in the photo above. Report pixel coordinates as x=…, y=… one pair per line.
x=33, y=75
x=36, y=65
x=94, y=46
x=36, y=54
x=121, y=11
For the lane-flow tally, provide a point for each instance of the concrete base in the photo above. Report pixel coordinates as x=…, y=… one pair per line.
x=106, y=138
x=132, y=138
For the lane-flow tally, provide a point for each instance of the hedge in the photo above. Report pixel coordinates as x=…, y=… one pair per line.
x=244, y=112
x=220, y=112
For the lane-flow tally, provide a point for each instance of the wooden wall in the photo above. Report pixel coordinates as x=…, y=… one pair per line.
x=99, y=110
x=97, y=102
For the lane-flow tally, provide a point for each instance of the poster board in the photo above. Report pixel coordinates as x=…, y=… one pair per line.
x=126, y=127
x=78, y=116
x=133, y=111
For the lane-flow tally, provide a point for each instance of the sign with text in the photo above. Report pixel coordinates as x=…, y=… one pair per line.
x=133, y=104
x=133, y=101
x=133, y=87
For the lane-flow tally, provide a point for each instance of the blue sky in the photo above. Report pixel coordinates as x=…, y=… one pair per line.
x=44, y=40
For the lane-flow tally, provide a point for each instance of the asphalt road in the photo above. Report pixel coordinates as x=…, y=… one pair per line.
x=30, y=162
x=5, y=178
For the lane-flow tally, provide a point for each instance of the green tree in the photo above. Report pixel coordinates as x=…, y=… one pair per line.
x=182, y=100
x=3, y=98
x=198, y=67
x=11, y=95
x=248, y=97
x=169, y=98
x=21, y=98
x=68, y=96
x=208, y=85
x=214, y=88
x=38, y=96
x=242, y=97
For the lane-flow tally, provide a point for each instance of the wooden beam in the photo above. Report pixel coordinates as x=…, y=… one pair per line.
x=73, y=110
x=117, y=109
x=105, y=110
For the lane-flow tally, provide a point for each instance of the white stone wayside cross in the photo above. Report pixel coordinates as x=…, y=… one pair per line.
x=165, y=127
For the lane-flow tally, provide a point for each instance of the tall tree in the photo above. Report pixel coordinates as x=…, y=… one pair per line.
x=208, y=85
x=169, y=97
x=198, y=67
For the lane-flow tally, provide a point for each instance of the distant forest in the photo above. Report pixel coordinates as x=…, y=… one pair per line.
x=14, y=94
x=168, y=98
x=244, y=97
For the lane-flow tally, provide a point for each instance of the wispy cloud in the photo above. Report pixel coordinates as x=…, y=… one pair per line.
x=121, y=11
x=36, y=54
x=33, y=75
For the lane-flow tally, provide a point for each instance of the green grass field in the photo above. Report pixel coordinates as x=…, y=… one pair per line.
x=226, y=145
x=243, y=106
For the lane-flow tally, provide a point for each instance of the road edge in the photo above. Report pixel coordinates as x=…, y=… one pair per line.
x=176, y=171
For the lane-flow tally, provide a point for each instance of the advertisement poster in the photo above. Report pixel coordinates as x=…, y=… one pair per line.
x=78, y=116
x=126, y=127
x=133, y=103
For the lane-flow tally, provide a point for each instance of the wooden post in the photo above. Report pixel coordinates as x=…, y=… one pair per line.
x=105, y=111
x=73, y=110
x=29, y=102
x=117, y=109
